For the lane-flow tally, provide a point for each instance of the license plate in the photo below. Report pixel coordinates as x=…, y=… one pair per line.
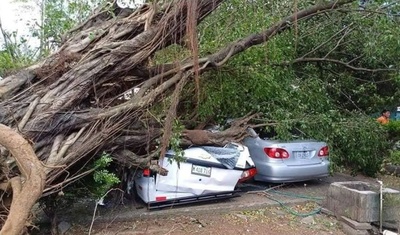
x=302, y=155
x=201, y=170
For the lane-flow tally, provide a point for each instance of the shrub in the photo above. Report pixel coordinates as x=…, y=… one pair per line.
x=393, y=129
x=360, y=144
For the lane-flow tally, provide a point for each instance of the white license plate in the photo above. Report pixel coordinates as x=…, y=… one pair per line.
x=302, y=155
x=201, y=170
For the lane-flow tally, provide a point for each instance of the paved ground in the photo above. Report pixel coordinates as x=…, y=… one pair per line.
x=253, y=197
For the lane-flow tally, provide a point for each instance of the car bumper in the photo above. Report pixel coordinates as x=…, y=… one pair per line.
x=281, y=173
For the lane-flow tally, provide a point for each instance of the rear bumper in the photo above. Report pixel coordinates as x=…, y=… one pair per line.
x=281, y=173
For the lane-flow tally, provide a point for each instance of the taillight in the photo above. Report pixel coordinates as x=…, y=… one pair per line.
x=146, y=172
x=248, y=174
x=161, y=198
x=323, y=152
x=276, y=153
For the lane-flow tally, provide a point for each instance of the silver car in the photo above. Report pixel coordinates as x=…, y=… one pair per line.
x=290, y=161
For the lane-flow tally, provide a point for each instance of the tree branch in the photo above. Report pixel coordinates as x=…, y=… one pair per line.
x=259, y=38
x=345, y=64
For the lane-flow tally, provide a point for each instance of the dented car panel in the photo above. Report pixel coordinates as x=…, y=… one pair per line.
x=205, y=173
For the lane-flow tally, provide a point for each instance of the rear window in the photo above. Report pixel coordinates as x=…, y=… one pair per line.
x=264, y=133
x=270, y=133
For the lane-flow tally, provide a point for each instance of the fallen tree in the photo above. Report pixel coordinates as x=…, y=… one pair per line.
x=70, y=106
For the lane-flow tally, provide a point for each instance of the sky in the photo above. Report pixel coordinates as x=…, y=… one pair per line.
x=15, y=16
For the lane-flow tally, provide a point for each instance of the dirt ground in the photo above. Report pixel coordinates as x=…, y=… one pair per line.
x=273, y=220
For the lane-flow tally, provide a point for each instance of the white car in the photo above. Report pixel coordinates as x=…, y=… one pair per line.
x=207, y=173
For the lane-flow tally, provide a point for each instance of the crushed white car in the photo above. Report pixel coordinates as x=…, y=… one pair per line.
x=207, y=173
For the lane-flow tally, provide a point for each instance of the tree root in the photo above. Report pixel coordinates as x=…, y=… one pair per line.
x=28, y=114
x=28, y=187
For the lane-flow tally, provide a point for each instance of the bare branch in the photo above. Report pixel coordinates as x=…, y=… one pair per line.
x=348, y=30
x=345, y=64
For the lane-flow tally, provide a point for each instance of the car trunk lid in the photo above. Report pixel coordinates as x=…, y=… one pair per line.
x=302, y=152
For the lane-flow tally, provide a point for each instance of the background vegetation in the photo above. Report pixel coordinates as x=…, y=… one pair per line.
x=321, y=80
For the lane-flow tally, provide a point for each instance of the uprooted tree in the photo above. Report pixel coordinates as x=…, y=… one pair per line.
x=59, y=113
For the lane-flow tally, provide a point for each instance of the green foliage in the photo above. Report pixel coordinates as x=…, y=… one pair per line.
x=329, y=101
x=94, y=185
x=360, y=144
x=103, y=179
x=394, y=157
x=103, y=162
x=59, y=16
x=362, y=40
x=325, y=101
x=236, y=19
x=173, y=52
x=6, y=63
x=14, y=54
x=393, y=129
x=175, y=142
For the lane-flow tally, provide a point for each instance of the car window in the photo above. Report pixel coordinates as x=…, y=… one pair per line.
x=263, y=133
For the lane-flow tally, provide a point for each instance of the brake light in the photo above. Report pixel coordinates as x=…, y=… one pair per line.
x=146, y=172
x=323, y=152
x=276, y=153
x=248, y=174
